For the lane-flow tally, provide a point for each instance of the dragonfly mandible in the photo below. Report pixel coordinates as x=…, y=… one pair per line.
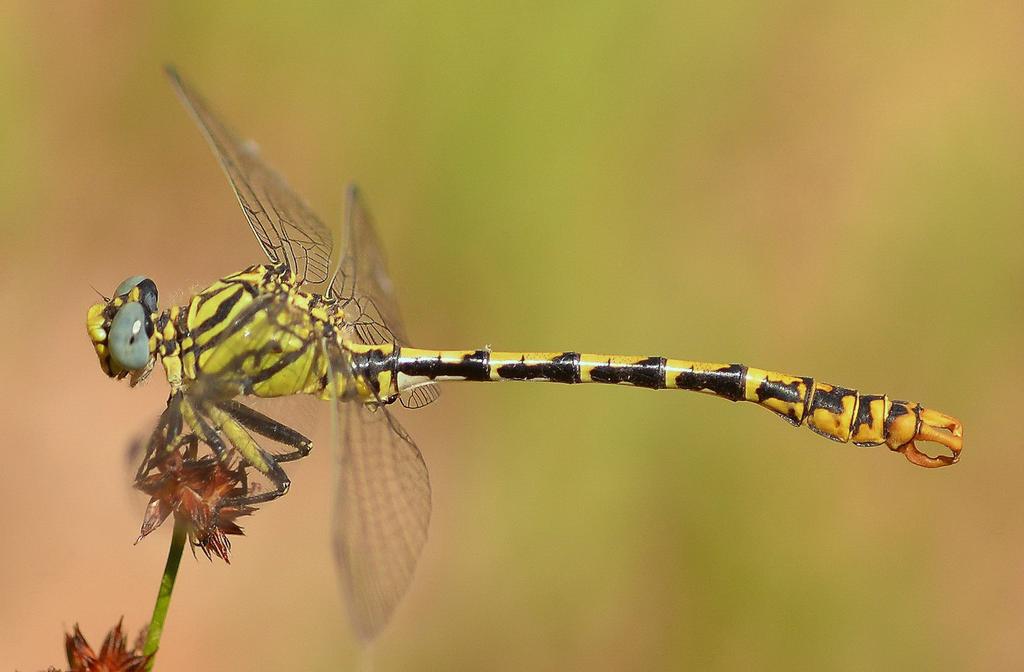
x=321, y=319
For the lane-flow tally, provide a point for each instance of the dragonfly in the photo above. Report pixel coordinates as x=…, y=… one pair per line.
x=320, y=318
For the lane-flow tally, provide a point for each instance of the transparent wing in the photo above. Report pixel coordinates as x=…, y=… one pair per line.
x=381, y=514
x=363, y=284
x=366, y=292
x=287, y=229
x=420, y=396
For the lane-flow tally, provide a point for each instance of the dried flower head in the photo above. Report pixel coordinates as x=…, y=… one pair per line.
x=202, y=493
x=114, y=655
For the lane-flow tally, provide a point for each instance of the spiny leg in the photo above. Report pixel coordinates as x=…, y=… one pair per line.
x=204, y=429
x=167, y=438
x=162, y=440
x=268, y=427
x=211, y=437
x=250, y=451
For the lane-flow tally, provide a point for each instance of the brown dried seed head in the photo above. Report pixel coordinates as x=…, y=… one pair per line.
x=195, y=490
x=114, y=655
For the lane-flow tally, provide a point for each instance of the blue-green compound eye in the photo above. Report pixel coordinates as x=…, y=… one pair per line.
x=128, y=340
x=128, y=285
x=147, y=290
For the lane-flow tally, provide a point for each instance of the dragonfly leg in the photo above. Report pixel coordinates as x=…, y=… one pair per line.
x=209, y=435
x=253, y=455
x=267, y=427
x=925, y=424
x=281, y=484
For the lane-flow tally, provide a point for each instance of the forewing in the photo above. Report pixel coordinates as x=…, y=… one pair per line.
x=367, y=294
x=382, y=514
x=287, y=229
x=363, y=284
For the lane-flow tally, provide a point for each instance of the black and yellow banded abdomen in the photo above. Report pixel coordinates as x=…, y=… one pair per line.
x=839, y=413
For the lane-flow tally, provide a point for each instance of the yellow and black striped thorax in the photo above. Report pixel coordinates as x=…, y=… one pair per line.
x=252, y=332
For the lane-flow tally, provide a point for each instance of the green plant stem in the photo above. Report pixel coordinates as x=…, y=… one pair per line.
x=163, y=597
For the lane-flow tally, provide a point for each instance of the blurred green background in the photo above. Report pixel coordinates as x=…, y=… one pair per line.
x=828, y=189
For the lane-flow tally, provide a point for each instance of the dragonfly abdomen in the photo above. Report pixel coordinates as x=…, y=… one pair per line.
x=838, y=413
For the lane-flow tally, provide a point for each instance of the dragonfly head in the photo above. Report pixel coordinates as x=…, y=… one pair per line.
x=122, y=329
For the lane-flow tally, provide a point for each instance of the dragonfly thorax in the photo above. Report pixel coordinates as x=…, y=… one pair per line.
x=251, y=333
